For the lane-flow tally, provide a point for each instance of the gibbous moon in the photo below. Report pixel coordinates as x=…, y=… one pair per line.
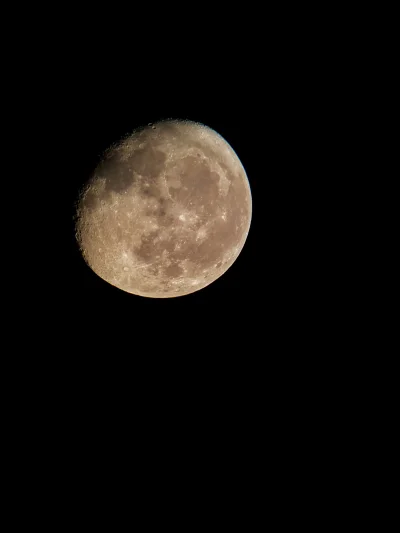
x=166, y=212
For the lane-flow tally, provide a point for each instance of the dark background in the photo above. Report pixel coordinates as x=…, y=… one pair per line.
x=259, y=90
x=264, y=82
x=219, y=355
x=94, y=109
x=98, y=132
x=250, y=370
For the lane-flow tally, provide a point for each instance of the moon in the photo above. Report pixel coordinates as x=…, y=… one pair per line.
x=166, y=212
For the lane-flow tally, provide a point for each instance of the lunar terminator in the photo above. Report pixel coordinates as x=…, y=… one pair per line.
x=166, y=212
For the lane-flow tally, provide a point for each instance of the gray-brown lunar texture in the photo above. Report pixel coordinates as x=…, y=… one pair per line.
x=166, y=212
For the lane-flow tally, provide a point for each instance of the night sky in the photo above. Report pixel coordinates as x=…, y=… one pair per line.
x=247, y=367
x=95, y=99
x=263, y=93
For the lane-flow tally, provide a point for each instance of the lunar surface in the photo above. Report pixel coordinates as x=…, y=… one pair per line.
x=166, y=212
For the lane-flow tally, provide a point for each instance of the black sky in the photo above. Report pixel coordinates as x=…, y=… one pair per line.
x=246, y=361
x=256, y=88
